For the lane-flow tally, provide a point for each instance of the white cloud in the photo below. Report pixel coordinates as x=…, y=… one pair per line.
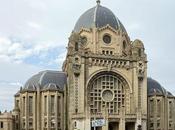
x=60, y=58
x=134, y=27
x=15, y=51
x=4, y=45
x=14, y=71
x=16, y=84
x=39, y=4
x=12, y=77
x=34, y=25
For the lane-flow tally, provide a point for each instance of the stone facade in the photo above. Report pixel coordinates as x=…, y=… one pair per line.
x=98, y=71
x=161, y=110
x=6, y=121
x=104, y=78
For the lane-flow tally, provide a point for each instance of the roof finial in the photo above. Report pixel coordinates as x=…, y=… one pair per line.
x=98, y=1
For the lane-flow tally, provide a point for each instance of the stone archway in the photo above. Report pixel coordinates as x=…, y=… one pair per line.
x=107, y=90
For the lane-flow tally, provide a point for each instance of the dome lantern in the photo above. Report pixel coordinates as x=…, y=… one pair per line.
x=98, y=1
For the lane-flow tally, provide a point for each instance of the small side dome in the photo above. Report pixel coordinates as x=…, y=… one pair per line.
x=154, y=88
x=46, y=78
x=138, y=43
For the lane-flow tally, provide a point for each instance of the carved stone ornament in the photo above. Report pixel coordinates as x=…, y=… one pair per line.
x=76, y=69
x=141, y=69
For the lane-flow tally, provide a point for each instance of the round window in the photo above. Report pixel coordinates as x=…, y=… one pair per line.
x=107, y=95
x=107, y=39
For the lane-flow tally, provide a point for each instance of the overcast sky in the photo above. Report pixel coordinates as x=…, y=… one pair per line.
x=34, y=35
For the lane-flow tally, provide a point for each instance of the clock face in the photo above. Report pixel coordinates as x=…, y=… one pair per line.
x=107, y=95
x=107, y=39
x=84, y=40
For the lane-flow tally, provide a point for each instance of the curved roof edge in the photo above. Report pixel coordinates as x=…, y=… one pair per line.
x=47, y=78
x=155, y=88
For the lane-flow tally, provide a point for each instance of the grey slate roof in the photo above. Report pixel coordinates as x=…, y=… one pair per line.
x=155, y=88
x=46, y=80
x=98, y=17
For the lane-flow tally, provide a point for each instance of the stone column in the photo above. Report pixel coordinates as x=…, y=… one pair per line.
x=27, y=110
x=122, y=119
x=56, y=110
x=34, y=112
x=139, y=110
x=62, y=110
x=38, y=109
x=122, y=124
x=105, y=116
x=166, y=113
x=48, y=110
x=174, y=114
x=155, y=111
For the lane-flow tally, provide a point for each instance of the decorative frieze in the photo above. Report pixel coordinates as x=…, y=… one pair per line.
x=107, y=62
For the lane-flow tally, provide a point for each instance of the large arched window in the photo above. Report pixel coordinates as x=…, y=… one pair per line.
x=107, y=91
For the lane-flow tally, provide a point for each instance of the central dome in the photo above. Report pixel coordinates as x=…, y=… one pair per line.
x=98, y=17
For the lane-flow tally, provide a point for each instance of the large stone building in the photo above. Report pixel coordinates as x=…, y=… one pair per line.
x=104, y=79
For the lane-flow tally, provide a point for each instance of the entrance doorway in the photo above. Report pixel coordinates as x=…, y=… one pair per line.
x=96, y=128
x=130, y=126
x=113, y=126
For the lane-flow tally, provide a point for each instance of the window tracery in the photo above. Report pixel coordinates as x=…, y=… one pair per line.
x=108, y=91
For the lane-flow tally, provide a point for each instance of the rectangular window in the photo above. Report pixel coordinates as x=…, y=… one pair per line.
x=17, y=103
x=30, y=124
x=170, y=109
x=52, y=104
x=151, y=107
x=151, y=125
x=52, y=125
x=170, y=124
x=2, y=125
x=59, y=106
x=16, y=117
x=30, y=105
x=24, y=105
x=158, y=108
x=24, y=124
x=17, y=126
x=45, y=105
x=45, y=124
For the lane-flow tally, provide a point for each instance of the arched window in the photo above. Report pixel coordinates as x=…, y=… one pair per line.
x=24, y=106
x=52, y=104
x=151, y=107
x=45, y=105
x=158, y=107
x=124, y=45
x=107, y=92
x=140, y=52
x=2, y=125
x=30, y=105
x=76, y=46
x=170, y=109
